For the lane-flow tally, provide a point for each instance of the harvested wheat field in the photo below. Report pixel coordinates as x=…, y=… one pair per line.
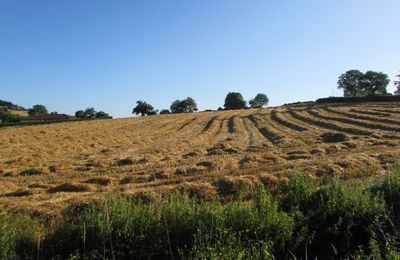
x=46, y=168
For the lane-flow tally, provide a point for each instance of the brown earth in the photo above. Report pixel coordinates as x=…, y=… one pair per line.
x=46, y=168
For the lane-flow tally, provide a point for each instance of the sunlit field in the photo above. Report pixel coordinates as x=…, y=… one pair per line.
x=46, y=168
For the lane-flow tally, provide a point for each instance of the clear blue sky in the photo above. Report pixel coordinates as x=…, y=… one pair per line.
x=69, y=55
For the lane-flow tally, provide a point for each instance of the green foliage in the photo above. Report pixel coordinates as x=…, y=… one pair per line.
x=19, y=237
x=37, y=110
x=355, y=83
x=143, y=108
x=80, y=114
x=259, y=101
x=386, y=98
x=304, y=219
x=234, y=100
x=10, y=105
x=9, y=118
x=164, y=112
x=91, y=113
x=187, y=105
x=102, y=115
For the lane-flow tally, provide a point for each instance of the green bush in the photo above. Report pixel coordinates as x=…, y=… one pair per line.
x=304, y=219
x=19, y=237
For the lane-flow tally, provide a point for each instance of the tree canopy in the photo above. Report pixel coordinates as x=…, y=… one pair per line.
x=91, y=113
x=102, y=115
x=37, y=110
x=259, y=101
x=187, y=105
x=164, y=112
x=357, y=84
x=234, y=100
x=143, y=108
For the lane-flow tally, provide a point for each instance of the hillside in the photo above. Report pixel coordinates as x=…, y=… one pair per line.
x=10, y=105
x=45, y=168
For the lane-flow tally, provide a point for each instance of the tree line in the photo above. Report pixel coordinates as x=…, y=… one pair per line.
x=233, y=100
x=355, y=83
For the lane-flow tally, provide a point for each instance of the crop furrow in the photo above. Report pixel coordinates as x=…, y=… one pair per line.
x=387, y=111
x=210, y=123
x=273, y=137
x=232, y=128
x=367, y=118
x=353, y=122
x=187, y=123
x=366, y=112
x=276, y=118
x=327, y=125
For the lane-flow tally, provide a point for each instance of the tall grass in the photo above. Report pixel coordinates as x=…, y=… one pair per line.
x=304, y=219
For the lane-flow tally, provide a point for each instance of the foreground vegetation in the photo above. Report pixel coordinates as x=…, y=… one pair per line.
x=304, y=218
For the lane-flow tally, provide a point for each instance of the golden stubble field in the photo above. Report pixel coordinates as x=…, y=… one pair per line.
x=46, y=168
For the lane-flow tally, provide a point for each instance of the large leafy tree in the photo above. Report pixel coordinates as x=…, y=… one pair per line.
x=187, y=105
x=375, y=83
x=234, y=100
x=259, y=101
x=351, y=83
x=37, y=110
x=355, y=83
x=143, y=108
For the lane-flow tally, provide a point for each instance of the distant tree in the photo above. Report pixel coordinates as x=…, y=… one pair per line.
x=143, y=108
x=397, y=84
x=54, y=113
x=102, y=115
x=234, y=100
x=351, y=83
x=153, y=112
x=220, y=108
x=356, y=84
x=176, y=107
x=164, y=112
x=375, y=83
x=80, y=114
x=187, y=105
x=37, y=110
x=259, y=101
x=89, y=113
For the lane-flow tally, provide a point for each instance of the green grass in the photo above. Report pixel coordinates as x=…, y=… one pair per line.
x=305, y=219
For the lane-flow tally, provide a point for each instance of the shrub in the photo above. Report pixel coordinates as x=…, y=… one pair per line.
x=19, y=237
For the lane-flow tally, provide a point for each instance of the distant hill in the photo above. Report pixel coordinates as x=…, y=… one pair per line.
x=10, y=105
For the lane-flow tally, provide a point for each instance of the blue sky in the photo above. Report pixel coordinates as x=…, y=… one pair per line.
x=74, y=54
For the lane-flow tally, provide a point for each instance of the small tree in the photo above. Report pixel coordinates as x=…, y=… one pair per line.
x=37, y=110
x=187, y=105
x=164, y=112
x=80, y=114
x=259, y=101
x=102, y=115
x=143, y=108
x=234, y=100
x=89, y=113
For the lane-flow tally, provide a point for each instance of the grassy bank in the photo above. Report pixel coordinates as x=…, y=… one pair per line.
x=305, y=218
